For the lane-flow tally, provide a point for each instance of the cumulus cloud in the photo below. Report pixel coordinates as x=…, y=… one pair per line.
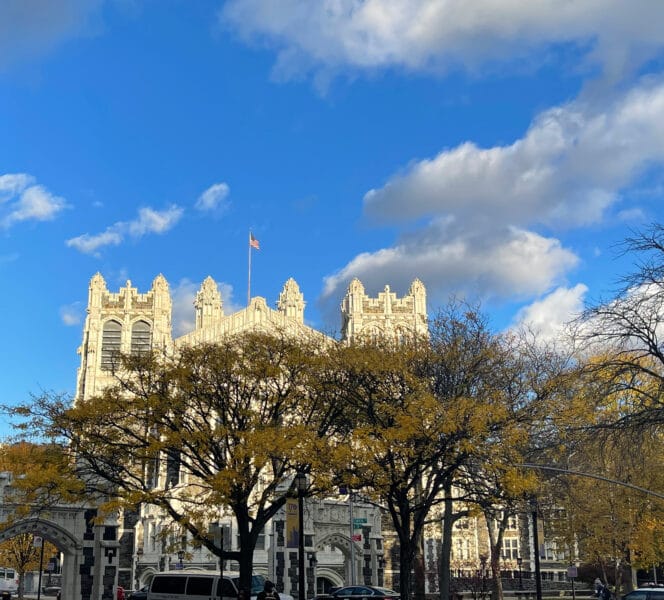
x=214, y=198
x=89, y=244
x=566, y=170
x=548, y=316
x=22, y=199
x=148, y=221
x=153, y=221
x=12, y=184
x=72, y=314
x=183, y=295
x=473, y=213
x=331, y=35
x=29, y=28
x=507, y=262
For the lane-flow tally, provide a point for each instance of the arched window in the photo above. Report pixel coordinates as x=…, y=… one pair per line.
x=110, y=344
x=401, y=335
x=141, y=337
x=372, y=334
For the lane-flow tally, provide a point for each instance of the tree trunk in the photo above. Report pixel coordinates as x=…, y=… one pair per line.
x=419, y=568
x=245, y=556
x=496, y=581
x=405, y=567
x=446, y=545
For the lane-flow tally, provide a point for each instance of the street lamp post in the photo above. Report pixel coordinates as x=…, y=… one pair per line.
x=519, y=562
x=483, y=559
x=301, y=486
x=536, y=550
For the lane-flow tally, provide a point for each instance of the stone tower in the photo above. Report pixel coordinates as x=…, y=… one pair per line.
x=291, y=301
x=385, y=316
x=120, y=322
x=209, y=308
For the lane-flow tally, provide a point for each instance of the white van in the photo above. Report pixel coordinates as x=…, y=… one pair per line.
x=202, y=585
x=8, y=580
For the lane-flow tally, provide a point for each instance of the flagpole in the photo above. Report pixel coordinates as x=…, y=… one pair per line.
x=249, y=273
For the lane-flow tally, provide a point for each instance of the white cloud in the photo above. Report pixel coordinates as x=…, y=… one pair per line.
x=506, y=262
x=473, y=212
x=29, y=28
x=549, y=316
x=566, y=170
x=330, y=35
x=72, y=314
x=149, y=220
x=153, y=221
x=12, y=184
x=23, y=200
x=89, y=244
x=214, y=198
x=183, y=295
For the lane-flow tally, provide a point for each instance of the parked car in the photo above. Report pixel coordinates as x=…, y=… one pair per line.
x=645, y=593
x=51, y=590
x=203, y=585
x=141, y=594
x=366, y=592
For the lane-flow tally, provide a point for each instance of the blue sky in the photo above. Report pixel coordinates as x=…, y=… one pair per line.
x=497, y=150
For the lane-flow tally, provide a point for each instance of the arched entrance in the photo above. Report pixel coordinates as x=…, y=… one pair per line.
x=90, y=551
x=362, y=564
x=352, y=553
x=62, y=539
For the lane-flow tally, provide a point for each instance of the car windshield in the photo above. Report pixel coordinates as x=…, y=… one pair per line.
x=386, y=591
x=257, y=584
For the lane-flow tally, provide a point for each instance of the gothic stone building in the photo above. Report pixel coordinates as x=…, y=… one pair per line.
x=343, y=539
x=346, y=541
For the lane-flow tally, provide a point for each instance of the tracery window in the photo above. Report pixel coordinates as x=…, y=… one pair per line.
x=110, y=344
x=141, y=337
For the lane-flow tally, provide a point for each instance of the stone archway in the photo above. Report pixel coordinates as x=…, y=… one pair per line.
x=90, y=551
x=61, y=538
x=352, y=554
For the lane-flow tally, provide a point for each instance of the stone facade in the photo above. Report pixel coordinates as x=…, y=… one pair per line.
x=126, y=320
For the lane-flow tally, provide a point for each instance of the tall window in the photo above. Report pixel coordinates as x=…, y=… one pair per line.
x=510, y=548
x=110, y=344
x=462, y=549
x=140, y=337
x=172, y=468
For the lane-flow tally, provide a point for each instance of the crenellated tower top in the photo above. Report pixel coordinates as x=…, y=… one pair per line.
x=385, y=315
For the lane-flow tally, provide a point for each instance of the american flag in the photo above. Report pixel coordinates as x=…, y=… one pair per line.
x=253, y=242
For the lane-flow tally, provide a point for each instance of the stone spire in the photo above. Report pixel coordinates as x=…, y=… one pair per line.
x=208, y=305
x=291, y=301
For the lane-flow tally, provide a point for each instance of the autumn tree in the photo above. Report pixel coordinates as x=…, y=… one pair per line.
x=21, y=554
x=33, y=466
x=527, y=377
x=418, y=411
x=216, y=425
x=43, y=476
x=605, y=519
x=626, y=332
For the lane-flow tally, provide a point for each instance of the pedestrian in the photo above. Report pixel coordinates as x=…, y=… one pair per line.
x=268, y=593
x=597, y=586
